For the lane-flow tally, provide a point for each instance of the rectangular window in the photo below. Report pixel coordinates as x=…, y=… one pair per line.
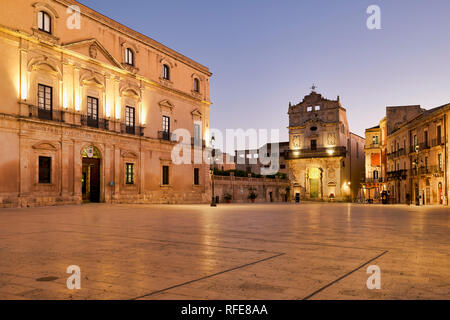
x=92, y=108
x=45, y=168
x=317, y=108
x=425, y=138
x=130, y=119
x=309, y=109
x=166, y=124
x=415, y=141
x=426, y=162
x=45, y=102
x=129, y=173
x=196, y=176
x=375, y=140
x=165, y=175
x=313, y=144
x=197, y=129
x=357, y=150
x=44, y=22
x=438, y=135
x=375, y=175
x=92, y=112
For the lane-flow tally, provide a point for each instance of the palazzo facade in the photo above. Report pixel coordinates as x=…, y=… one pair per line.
x=88, y=108
x=325, y=160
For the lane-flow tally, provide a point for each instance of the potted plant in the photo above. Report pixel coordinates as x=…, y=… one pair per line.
x=228, y=197
x=252, y=195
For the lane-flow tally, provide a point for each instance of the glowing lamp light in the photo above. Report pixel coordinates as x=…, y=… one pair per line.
x=330, y=152
x=77, y=102
x=65, y=101
x=118, y=110
x=24, y=90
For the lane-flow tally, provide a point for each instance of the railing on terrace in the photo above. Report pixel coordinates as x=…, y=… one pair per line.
x=316, y=153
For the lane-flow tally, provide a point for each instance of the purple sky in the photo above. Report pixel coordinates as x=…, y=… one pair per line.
x=266, y=53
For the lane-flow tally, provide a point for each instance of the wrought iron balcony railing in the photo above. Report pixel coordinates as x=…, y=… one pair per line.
x=44, y=114
x=94, y=123
x=397, y=175
x=167, y=136
x=134, y=130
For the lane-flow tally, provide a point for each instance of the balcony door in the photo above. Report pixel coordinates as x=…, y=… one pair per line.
x=45, y=102
x=92, y=112
x=166, y=127
x=130, y=120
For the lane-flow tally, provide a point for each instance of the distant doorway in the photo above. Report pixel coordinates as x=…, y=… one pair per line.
x=90, y=175
x=314, y=188
x=314, y=176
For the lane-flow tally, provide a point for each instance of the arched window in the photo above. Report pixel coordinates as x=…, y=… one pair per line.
x=166, y=72
x=44, y=22
x=129, y=57
x=196, y=85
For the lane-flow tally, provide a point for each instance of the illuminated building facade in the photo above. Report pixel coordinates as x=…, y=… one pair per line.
x=325, y=160
x=88, y=110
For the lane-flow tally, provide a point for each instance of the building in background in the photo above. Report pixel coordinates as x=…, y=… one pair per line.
x=375, y=156
x=325, y=160
x=224, y=161
x=249, y=160
x=87, y=114
x=417, y=155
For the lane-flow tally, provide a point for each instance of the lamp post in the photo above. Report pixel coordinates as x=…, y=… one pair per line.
x=213, y=155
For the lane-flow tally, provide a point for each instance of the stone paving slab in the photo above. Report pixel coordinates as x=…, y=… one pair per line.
x=236, y=251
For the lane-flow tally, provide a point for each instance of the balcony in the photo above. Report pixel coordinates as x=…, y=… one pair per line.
x=133, y=130
x=373, y=146
x=94, y=123
x=372, y=180
x=396, y=154
x=397, y=175
x=430, y=170
x=317, y=153
x=50, y=115
x=438, y=142
x=167, y=136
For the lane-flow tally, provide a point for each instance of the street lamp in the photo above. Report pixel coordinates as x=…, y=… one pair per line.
x=213, y=158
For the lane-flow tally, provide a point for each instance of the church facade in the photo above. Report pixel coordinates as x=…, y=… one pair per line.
x=325, y=160
x=88, y=111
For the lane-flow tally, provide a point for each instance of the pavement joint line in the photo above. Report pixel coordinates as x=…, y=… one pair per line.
x=344, y=276
x=208, y=276
x=168, y=241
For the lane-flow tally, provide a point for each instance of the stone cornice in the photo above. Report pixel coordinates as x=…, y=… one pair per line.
x=68, y=52
x=110, y=23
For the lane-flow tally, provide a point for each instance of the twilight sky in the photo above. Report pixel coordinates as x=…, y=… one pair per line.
x=266, y=53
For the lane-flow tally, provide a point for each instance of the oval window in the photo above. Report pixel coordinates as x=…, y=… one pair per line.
x=313, y=129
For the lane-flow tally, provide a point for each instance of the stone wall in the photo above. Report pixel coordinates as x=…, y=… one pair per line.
x=241, y=187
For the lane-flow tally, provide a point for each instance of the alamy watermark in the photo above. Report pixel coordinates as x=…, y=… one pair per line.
x=374, y=20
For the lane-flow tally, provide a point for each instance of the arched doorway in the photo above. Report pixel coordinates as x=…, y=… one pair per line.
x=90, y=175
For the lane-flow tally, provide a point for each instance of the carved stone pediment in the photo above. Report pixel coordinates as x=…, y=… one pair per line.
x=128, y=154
x=166, y=105
x=94, y=50
x=196, y=114
x=46, y=146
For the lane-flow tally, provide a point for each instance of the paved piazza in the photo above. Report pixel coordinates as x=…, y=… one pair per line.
x=251, y=251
